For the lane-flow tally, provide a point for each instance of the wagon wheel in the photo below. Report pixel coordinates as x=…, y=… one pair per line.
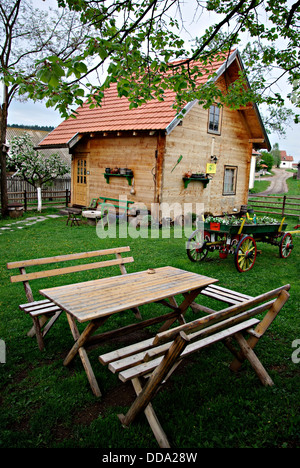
x=245, y=254
x=286, y=245
x=196, y=246
x=234, y=242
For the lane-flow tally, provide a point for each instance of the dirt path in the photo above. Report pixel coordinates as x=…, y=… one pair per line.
x=278, y=182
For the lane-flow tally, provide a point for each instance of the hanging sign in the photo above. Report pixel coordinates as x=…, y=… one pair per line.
x=211, y=168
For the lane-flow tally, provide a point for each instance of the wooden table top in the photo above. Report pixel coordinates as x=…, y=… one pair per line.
x=101, y=297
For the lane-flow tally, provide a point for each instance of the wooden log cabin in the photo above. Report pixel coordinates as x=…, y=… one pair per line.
x=162, y=149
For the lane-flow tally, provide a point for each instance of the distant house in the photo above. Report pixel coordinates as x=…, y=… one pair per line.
x=286, y=161
x=160, y=150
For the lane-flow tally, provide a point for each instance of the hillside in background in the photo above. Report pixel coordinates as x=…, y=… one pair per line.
x=33, y=127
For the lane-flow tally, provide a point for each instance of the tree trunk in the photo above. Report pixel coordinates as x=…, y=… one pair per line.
x=39, y=197
x=3, y=128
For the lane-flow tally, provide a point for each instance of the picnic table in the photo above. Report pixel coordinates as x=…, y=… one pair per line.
x=93, y=302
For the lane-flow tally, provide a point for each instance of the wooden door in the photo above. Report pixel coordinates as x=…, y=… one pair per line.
x=80, y=186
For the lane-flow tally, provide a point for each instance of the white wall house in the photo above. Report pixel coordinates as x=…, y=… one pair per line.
x=286, y=161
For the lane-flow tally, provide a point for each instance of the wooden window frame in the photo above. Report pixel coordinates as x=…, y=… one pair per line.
x=81, y=171
x=235, y=169
x=209, y=130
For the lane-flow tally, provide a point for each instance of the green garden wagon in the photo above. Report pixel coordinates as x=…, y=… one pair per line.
x=239, y=240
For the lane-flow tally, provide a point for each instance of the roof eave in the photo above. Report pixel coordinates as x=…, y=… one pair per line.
x=69, y=144
x=255, y=107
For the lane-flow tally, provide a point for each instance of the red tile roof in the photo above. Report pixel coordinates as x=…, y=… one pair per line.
x=284, y=156
x=115, y=115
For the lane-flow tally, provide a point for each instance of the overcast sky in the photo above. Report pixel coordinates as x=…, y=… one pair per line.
x=30, y=113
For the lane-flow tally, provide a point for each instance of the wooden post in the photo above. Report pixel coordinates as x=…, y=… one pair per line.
x=25, y=200
x=149, y=390
x=283, y=205
x=159, y=161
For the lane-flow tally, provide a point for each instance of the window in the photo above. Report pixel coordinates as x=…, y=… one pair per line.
x=214, y=119
x=81, y=171
x=230, y=176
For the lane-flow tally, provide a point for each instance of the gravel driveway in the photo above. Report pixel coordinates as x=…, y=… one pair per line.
x=278, y=182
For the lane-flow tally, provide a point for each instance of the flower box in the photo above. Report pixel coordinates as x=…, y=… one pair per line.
x=214, y=226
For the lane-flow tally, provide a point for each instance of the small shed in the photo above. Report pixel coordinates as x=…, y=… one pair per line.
x=152, y=155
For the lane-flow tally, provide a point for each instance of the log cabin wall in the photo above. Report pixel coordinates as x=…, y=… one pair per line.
x=124, y=151
x=195, y=144
x=153, y=160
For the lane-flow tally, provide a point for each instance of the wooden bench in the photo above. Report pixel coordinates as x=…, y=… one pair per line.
x=106, y=204
x=157, y=358
x=44, y=313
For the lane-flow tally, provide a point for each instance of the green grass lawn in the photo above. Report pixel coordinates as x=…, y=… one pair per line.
x=45, y=405
x=260, y=186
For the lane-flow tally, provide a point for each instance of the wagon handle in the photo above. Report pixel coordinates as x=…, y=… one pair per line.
x=280, y=227
x=242, y=225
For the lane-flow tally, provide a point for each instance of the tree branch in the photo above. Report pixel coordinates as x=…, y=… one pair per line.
x=291, y=14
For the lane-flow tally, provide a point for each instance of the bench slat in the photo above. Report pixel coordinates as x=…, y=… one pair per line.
x=71, y=269
x=138, y=358
x=30, y=304
x=36, y=313
x=64, y=258
x=232, y=297
x=230, y=292
x=221, y=297
x=146, y=367
x=228, y=296
x=124, y=352
x=37, y=307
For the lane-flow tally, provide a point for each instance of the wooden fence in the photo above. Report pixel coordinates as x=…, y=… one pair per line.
x=53, y=198
x=17, y=184
x=57, y=194
x=49, y=198
x=280, y=205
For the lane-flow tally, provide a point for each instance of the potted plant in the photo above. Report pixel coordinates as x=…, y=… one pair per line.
x=223, y=253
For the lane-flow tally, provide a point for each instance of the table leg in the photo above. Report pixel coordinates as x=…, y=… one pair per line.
x=78, y=348
x=188, y=299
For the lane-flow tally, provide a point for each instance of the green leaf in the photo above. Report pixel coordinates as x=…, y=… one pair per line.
x=54, y=81
x=58, y=70
x=44, y=75
x=81, y=67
